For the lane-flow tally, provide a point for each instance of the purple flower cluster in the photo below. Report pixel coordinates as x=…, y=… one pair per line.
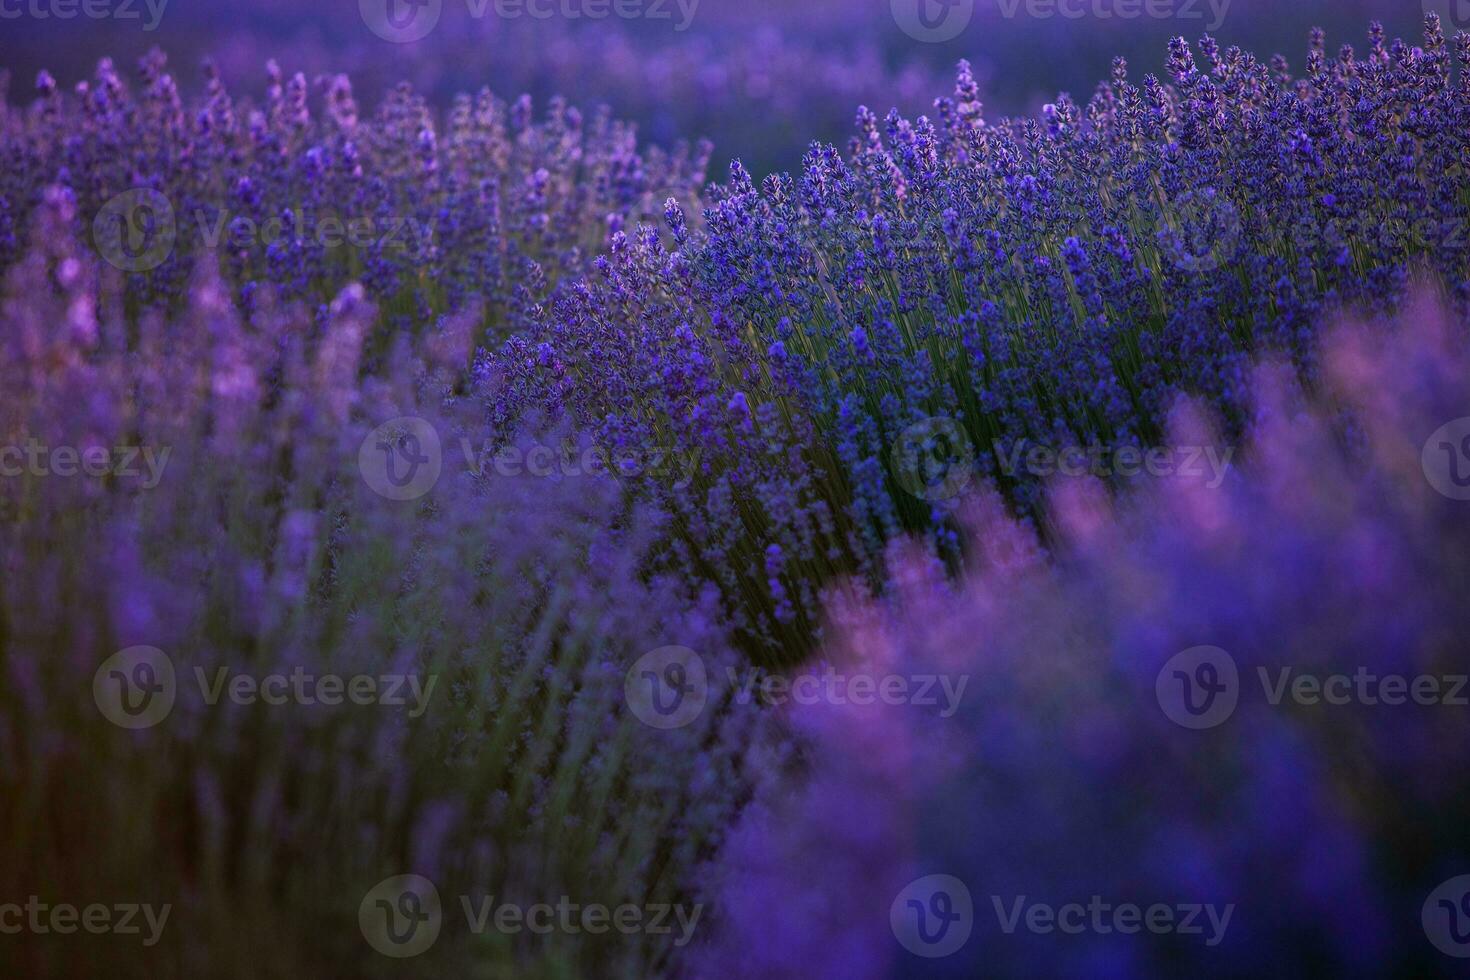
x=1055, y=281
x=300, y=195
x=756, y=76
x=764, y=76
x=230, y=528
x=1321, y=812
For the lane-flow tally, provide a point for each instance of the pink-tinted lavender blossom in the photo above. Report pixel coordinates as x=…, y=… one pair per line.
x=1062, y=775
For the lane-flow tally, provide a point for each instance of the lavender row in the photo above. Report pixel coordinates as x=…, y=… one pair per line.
x=847, y=350
x=1205, y=731
x=245, y=689
x=301, y=194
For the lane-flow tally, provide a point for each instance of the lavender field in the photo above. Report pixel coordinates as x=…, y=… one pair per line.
x=651, y=488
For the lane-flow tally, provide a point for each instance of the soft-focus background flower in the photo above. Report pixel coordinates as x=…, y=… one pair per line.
x=760, y=77
x=1062, y=776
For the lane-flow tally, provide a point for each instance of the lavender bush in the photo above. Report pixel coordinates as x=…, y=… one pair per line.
x=1052, y=281
x=257, y=547
x=429, y=211
x=763, y=76
x=1315, y=827
x=764, y=82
